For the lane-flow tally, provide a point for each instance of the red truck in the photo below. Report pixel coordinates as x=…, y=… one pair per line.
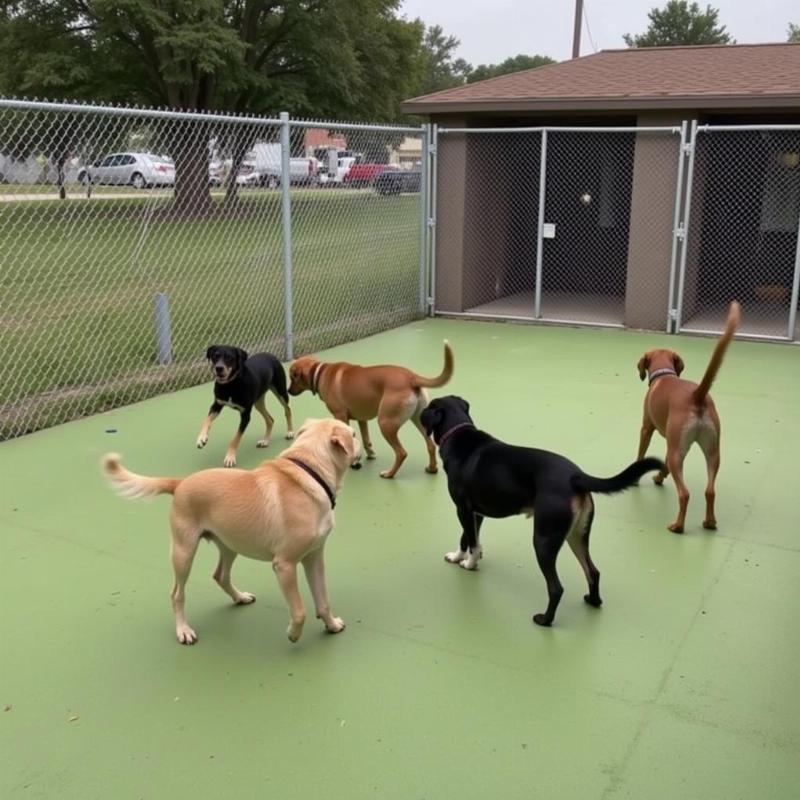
x=364, y=174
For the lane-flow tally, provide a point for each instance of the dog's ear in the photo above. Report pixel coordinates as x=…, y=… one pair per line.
x=464, y=405
x=210, y=352
x=344, y=441
x=644, y=363
x=430, y=418
x=677, y=362
x=241, y=357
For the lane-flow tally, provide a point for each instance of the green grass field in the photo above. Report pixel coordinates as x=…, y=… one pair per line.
x=80, y=277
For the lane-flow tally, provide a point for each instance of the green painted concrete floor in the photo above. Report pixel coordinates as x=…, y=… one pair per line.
x=683, y=685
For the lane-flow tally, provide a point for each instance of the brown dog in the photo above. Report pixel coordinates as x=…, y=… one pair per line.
x=281, y=511
x=683, y=413
x=392, y=394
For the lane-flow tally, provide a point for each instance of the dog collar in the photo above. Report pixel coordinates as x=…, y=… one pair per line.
x=452, y=430
x=315, y=376
x=315, y=475
x=659, y=373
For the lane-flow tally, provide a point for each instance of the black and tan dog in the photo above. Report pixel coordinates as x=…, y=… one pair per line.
x=489, y=478
x=241, y=382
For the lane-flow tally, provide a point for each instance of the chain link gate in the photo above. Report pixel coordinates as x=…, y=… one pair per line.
x=742, y=222
x=132, y=239
x=573, y=225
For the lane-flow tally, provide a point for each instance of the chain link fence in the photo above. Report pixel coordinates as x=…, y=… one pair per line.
x=742, y=219
x=133, y=239
x=557, y=224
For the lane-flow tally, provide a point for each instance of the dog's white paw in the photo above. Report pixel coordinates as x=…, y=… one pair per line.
x=244, y=599
x=456, y=557
x=335, y=625
x=262, y=443
x=290, y=434
x=229, y=461
x=294, y=631
x=470, y=562
x=202, y=441
x=185, y=634
x=371, y=455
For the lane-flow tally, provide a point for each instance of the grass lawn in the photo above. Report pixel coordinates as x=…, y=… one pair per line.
x=79, y=281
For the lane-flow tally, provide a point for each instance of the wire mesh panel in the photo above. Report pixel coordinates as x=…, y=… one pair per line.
x=608, y=225
x=487, y=220
x=131, y=240
x=743, y=231
x=356, y=231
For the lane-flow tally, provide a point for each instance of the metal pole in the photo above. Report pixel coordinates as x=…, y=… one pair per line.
x=537, y=303
x=423, y=222
x=687, y=213
x=576, y=30
x=795, y=289
x=163, y=329
x=676, y=221
x=286, y=210
x=434, y=152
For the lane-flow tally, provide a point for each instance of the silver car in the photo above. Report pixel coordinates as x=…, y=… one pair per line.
x=140, y=170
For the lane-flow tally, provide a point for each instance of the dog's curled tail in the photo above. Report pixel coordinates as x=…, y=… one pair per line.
x=130, y=485
x=627, y=478
x=444, y=376
x=732, y=323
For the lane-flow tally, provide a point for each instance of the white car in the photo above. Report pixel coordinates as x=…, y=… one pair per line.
x=140, y=170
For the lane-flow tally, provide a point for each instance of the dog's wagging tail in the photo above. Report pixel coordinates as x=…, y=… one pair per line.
x=618, y=483
x=132, y=486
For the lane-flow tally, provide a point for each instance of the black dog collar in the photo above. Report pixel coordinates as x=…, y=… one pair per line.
x=315, y=475
x=452, y=430
x=659, y=372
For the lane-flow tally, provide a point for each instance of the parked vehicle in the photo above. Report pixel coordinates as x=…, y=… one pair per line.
x=265, y=158
x=365, y=174
x=334, y=164
x=397, y=181
x=140, y=170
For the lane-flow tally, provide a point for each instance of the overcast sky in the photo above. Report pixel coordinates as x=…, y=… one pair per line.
x=492, y=31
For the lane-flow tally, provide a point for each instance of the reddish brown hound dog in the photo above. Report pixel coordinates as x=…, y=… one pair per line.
x=392, y=394
x=683, y=413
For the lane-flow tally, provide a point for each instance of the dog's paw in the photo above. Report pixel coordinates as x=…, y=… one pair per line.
x=388, y=474
x=229, y=461
x=470, y=562
x=541, y=619
x=710, y=524
x=371, y=455
x=456, y=557
x=294, y=631
x=244, y=599
x=185, y=634
x=431, y=470
x=262, y=443
x=658, y=479
x=593, y=601
x=290, y=434
x=202, y=441
x=675, y=528
x=335, y=625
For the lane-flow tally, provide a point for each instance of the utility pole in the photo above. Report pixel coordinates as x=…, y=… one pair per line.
x=576, y=33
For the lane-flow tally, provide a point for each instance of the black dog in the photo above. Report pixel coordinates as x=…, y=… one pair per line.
x=241, y=382
x=489, y=478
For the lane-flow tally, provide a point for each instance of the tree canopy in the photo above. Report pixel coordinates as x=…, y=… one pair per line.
x=681, y=23
x=794, y=33
x=514, y=64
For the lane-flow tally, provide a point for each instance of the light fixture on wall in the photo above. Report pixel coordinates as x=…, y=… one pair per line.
x=586, y=198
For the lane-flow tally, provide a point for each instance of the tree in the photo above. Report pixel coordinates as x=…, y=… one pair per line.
x=326, y=58
x=679, y=23
x=794, y=33
x=440, y=70
x=515, y=64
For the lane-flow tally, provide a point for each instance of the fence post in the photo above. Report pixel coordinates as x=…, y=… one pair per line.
x=423, y=223
x=677, y=233
x=537, y=302
x=163, y=328
x=430, y=222
x=687, y=213
x=795, y=289
x=286, y=213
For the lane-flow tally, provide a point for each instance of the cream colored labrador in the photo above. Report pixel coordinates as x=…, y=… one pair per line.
x=281, y=511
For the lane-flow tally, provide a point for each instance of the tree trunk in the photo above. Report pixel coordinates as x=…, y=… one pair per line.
x=192, y=184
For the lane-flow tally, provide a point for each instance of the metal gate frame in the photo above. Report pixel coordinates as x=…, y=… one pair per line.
x=431, y=171
x=676, y=306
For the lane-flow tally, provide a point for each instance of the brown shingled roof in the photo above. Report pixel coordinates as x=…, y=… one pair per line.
x=737, y=76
